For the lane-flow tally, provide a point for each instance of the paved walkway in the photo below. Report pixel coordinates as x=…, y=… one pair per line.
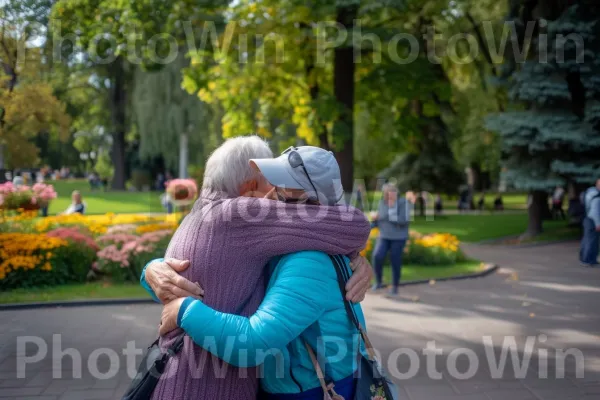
x=541, y=294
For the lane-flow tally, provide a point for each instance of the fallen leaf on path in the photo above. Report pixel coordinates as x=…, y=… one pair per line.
x=531, y=315
x=432, y=282
x=416, y=299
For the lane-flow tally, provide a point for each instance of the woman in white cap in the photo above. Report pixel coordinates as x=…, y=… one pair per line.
x=303, y=311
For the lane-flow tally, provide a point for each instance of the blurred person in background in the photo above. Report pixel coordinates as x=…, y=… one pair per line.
x=77, y=205
x=392, y=219
x=588, y=254
x=557, y=203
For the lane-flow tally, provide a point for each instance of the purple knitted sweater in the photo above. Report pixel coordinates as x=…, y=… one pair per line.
x=229, y=242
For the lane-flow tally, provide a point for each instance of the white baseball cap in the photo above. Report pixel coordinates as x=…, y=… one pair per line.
x=307, y=168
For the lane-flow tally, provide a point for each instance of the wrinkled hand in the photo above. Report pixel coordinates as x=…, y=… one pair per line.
x=360, y=282
x=168, y=320
x=164, y=279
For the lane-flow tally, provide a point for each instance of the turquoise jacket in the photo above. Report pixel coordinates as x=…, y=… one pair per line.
x=303, y=302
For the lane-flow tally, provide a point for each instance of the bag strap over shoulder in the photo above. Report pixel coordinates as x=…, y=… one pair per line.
x=328, y=389
x=343, y=277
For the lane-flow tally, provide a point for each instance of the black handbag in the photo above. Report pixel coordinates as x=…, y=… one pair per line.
x=370, y=377
x=150, y=370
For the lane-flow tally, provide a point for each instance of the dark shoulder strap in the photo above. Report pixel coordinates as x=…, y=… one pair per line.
x=342, y=278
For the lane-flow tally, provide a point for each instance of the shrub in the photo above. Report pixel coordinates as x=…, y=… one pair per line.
x=75, y=234
x=30, y=259
x=30, y=198
x=141, y=179
x=432, y=249
x=61, y=249
x=125, y=256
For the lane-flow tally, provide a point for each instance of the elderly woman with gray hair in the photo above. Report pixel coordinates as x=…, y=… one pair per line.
x=229, y=237
x=392, y=219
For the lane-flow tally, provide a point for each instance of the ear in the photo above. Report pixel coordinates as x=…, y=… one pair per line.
x=248, y=187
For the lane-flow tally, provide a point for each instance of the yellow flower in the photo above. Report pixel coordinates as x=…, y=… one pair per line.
x=156, y=227
x=26, y=251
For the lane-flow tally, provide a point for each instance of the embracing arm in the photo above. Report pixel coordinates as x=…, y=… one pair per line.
x=161, y=279
x=274, y=228
x=145, y=284
x=293, y=303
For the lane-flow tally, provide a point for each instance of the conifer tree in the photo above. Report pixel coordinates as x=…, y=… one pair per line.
x=552, y=134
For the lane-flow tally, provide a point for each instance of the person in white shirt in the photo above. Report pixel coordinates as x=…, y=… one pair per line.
x=77, y=205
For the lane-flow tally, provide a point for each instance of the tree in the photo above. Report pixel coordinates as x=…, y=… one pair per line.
x=166, y=114
x=111, y=37
x=322, y=79
x=552, y=134
x=27, y=103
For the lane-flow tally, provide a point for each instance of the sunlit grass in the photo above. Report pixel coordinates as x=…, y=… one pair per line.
x=84, y=291
x=100, y=202
x=419, y=272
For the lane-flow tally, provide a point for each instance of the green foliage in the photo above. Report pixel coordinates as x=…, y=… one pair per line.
x=103, y=166
x=163, y=111
x=556, y=138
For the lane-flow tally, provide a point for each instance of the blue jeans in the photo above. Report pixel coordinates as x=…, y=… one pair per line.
x=589, y=243
x=396, y=250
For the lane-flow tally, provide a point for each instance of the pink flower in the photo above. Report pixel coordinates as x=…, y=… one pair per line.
x=74, y=234
x=118, y=238
x=182, y=189
x=123, y=228
x=7, y=187
x=43, y=191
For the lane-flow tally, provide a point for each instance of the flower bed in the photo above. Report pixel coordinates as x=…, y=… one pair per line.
x=61, y=249
x=25, y=197
x=431, y=249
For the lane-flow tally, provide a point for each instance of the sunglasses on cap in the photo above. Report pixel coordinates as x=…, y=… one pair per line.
x=295, y=161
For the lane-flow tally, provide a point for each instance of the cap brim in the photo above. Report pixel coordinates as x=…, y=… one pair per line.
x=275, y=171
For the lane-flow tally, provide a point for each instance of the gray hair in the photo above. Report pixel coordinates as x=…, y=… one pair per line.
x=228, y=166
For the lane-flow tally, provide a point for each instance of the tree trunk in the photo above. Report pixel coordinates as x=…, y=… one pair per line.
x=536, y=203
x=118, y=159
x=118, y=105
x=343, y=87
x=183, y=155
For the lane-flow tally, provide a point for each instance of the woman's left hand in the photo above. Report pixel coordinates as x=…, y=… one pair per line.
x=360, y=281
x=168, y=320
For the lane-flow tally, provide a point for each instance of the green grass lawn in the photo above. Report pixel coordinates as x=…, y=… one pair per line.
x=419, y=272
x=105, y=290
x=475, y=228
x=96, y=290
x=512, y=201
x=100, y=202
